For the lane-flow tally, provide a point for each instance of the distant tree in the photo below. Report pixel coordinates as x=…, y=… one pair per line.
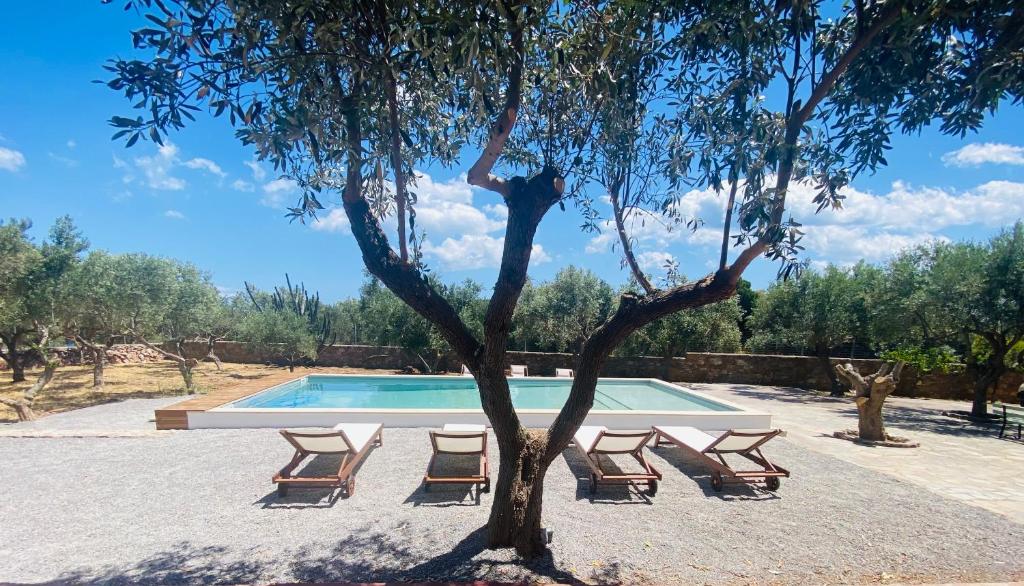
x=570, y=307
x=712, y=328
x=29, y=298
x=813, y=312
x=747, y=298
x=21, y=262
x=177, y=304
x=978, y=290
x=870, y=392
x=279, y=333
x=296, y=299
x=334, y=93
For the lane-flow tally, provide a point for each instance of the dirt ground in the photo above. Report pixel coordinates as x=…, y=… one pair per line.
x=71, y=387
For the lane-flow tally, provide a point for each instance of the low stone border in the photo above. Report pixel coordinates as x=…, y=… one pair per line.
x=891, y=441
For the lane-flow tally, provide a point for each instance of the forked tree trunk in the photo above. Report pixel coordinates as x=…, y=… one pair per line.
x=211, y=355
x=23, y=407
x=515, y=519
x=870, y=393
x=185, y=364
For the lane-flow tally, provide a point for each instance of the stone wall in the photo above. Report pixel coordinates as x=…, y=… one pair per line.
x=754, y=369
x=117, y=354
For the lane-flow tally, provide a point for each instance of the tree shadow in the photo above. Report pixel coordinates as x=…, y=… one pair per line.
x=701, y=476
x=607, y=494
x=185, y=564
x=380, y=557
x=448, y=495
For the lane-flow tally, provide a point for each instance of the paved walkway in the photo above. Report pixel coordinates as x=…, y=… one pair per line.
x=956, y=459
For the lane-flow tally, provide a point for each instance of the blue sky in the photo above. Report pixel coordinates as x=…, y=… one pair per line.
x=202, y=198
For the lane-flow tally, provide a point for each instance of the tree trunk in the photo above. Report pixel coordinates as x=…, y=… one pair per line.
x=185, y=368
x=14, y=359
x=835, y=387
x=17, y=367
x=515, y=519
x=211, y=355
x=871, y=392
x=99, y=358
x=982, y=383
x=23, y=407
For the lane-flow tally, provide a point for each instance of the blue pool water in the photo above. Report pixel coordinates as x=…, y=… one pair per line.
x=447, y=392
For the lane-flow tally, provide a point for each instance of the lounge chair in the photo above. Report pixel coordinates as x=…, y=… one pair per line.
x=593, y=441
x=465, y=371
x=351, y=440
x=460, y=440
x=710, y=450
x=564, y=373
x=519, y=370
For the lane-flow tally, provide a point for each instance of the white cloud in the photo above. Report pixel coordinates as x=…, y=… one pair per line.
x=206, y=165
x=242, y=185
x=335, y=220
x=871, y=226
x=654, y=260
x=66, y=161
x=158, y=171
x=11, y=160
x=460, y=235
x=979, y=153
x=71, y=143
x=258, y=173
x=475, y=251
x=174, y=215
x=277, y=193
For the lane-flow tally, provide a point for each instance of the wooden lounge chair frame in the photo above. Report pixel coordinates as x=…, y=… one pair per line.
x=482, y=479
x=345, y=479
x=650, y=476
x=721, y=472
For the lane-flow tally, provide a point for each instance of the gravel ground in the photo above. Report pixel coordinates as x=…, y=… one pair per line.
x=198, y=507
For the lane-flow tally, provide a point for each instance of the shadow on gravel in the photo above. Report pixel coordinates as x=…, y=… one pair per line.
x=381, y=557
x=185, y=564
x=701, y=476
x=445, y=495
x=607, y=494
x=315, y=498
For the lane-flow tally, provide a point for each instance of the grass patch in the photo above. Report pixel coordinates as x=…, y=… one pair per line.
x=71, y=387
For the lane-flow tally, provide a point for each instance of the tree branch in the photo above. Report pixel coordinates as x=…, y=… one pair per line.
x=627, y=248
x=402, y=278
x=401, y=186
x=633, y=313
x=480, y=173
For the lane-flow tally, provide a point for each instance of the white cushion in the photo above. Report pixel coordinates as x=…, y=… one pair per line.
x=691, y=436
x=359, y=434
x=587, y=435
x=476, y=427
x=318, y=443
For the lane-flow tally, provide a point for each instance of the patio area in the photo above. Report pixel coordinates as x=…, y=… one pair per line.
x=197, y=506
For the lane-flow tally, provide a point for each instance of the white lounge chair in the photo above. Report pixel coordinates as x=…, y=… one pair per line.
x=564, y=373
x=594, y=441
x=350, y=440
x=465, y=371
x=460, y=440
x=746, y=443
x=519, y=370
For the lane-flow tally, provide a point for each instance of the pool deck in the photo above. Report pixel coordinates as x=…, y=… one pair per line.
x=176, y=416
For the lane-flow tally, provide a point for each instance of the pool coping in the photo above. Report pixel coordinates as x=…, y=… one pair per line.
x=215, y=411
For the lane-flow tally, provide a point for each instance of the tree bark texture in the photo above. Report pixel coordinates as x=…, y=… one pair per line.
x=15, y=359
x=870, y=393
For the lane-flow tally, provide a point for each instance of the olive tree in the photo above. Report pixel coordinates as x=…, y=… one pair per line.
x=813, y=312
x=978, y=289
x=342, y=96
x=30, y=290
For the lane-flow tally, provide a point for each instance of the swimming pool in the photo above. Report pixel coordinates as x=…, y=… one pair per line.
x=418, y=401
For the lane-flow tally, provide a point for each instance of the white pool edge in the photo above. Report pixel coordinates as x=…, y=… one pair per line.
x=227, y=416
